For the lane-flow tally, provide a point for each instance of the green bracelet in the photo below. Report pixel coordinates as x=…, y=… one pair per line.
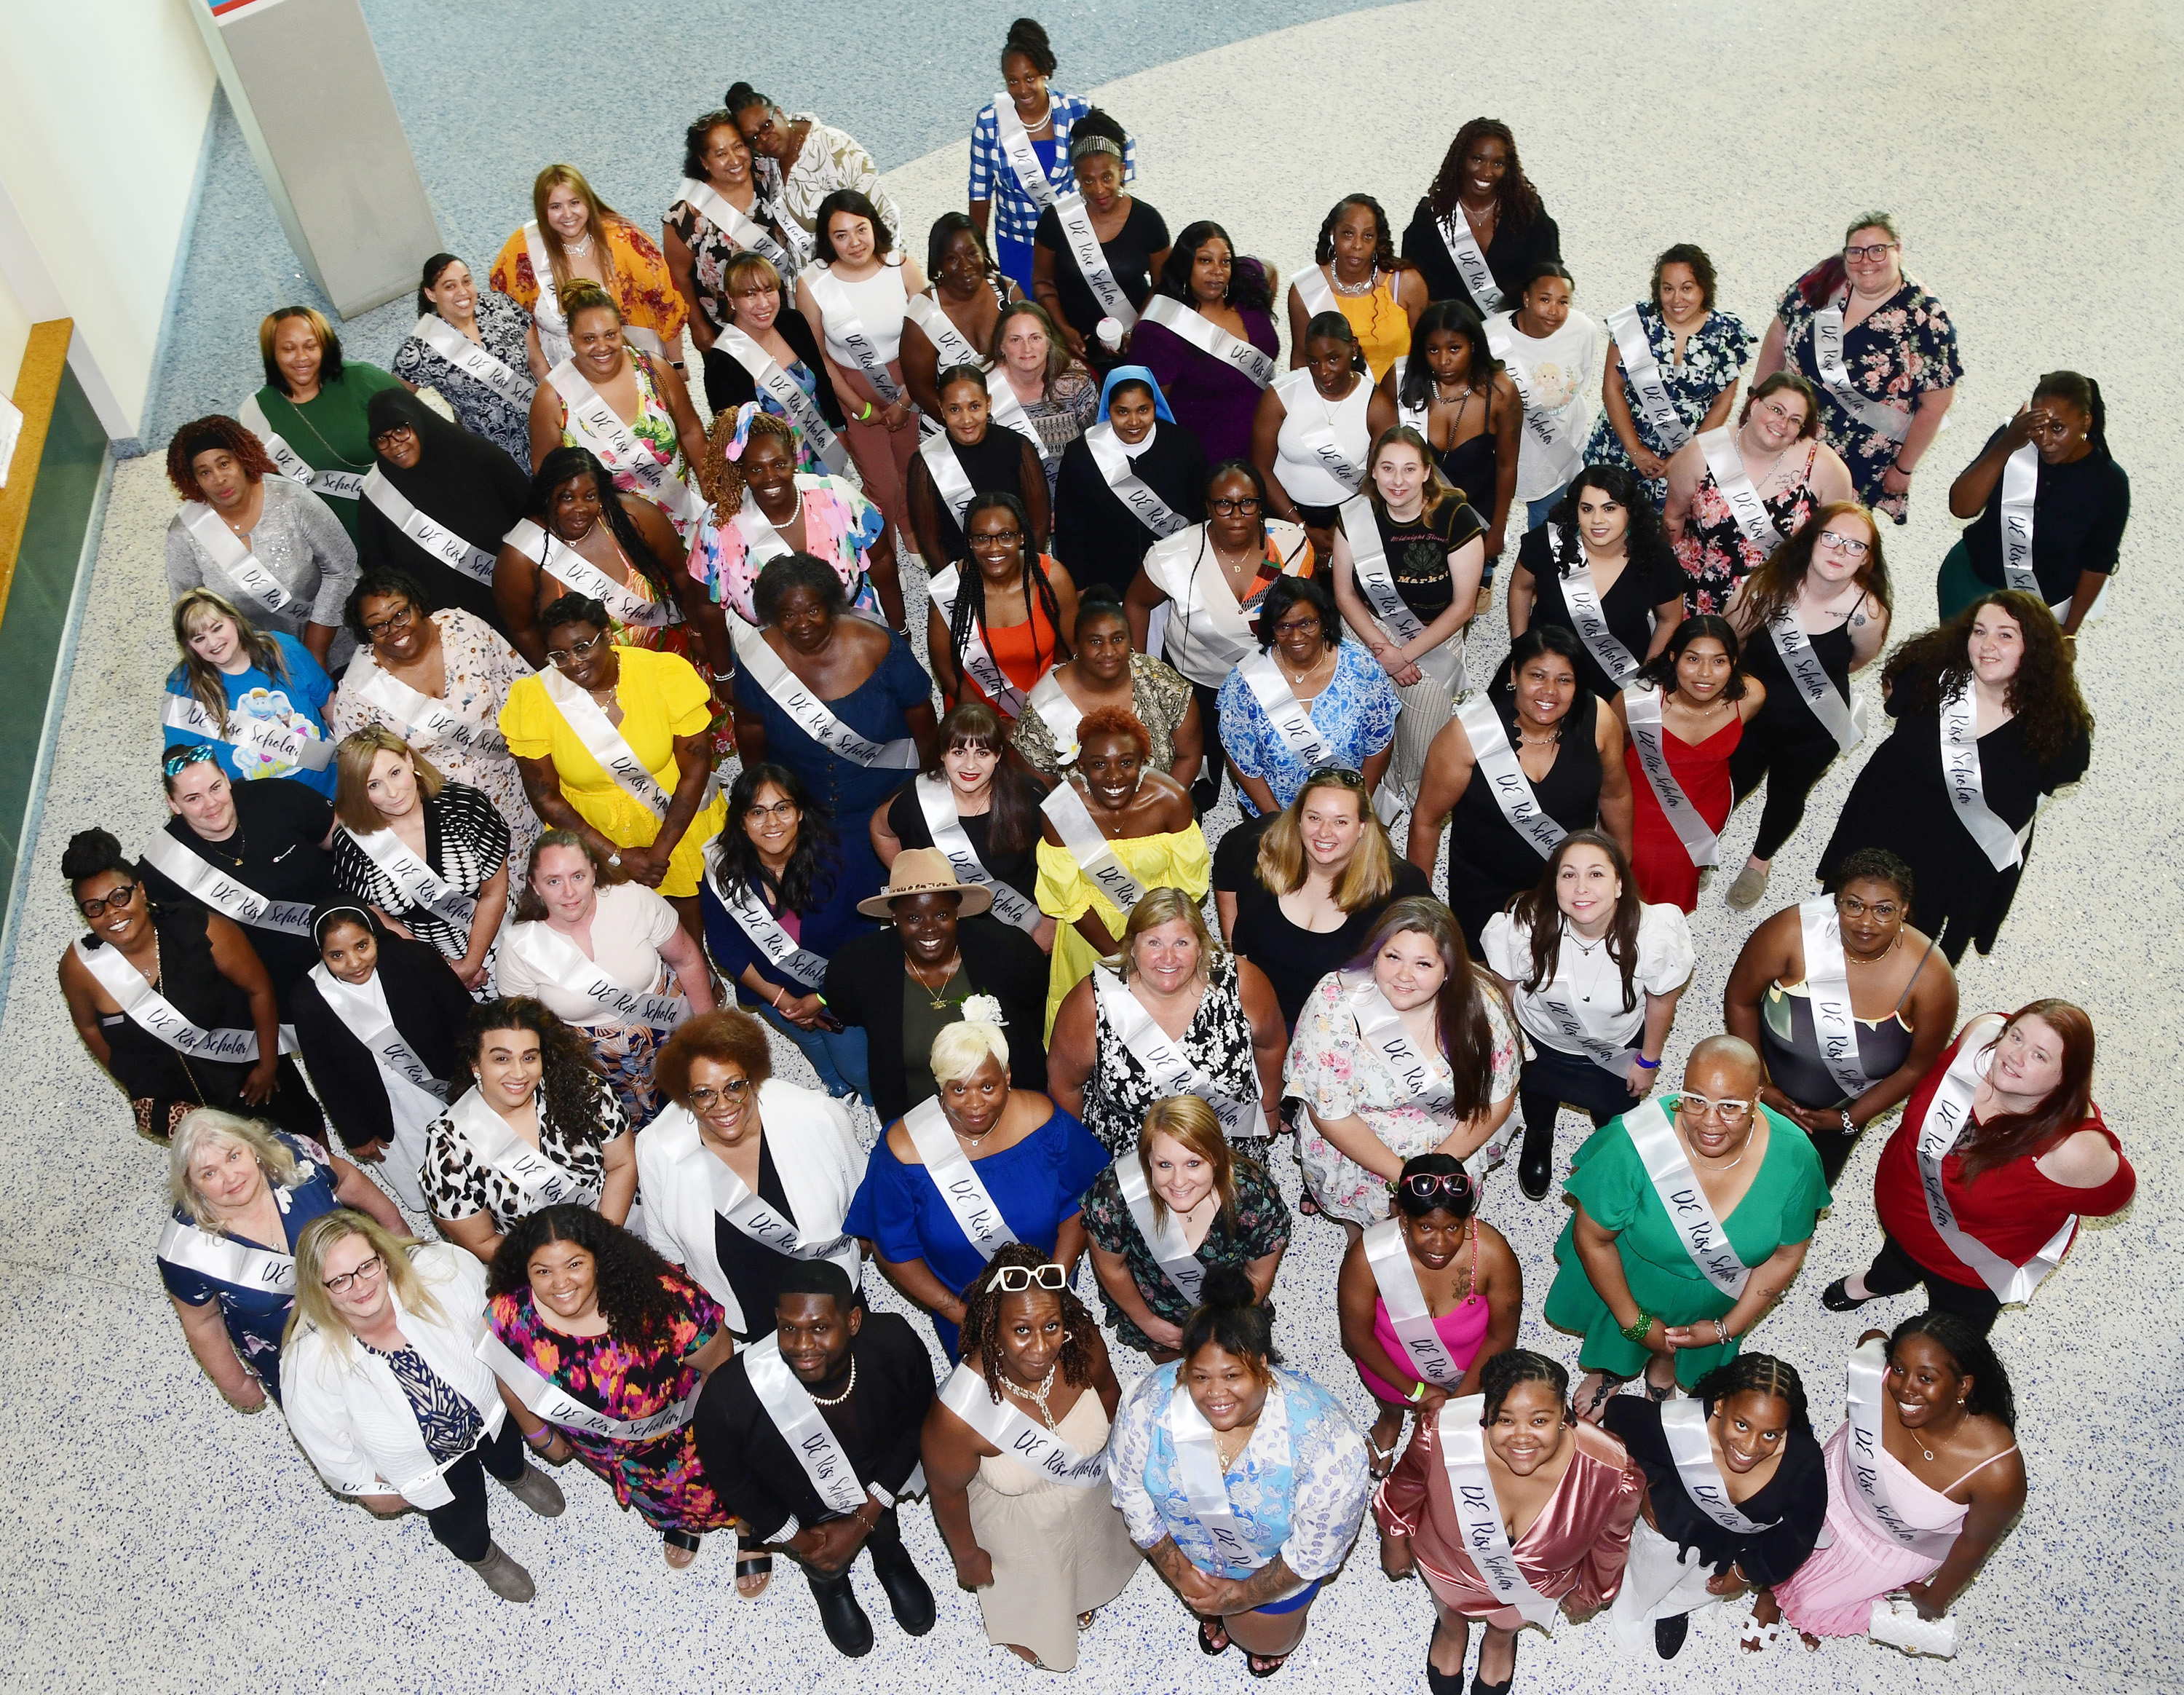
x=1638, y=1328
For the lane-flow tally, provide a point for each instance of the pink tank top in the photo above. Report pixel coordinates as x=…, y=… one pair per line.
x=1461, y=1332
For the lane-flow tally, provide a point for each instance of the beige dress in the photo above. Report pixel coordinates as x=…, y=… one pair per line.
x=1056, y=1550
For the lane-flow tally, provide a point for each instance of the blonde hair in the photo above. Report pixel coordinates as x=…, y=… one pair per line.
x=268, y=326
x=352, y=762
x=1189, y=1120
x=598, y=214
x=196, y=609
x=962, y=1047
x=1365, y=881
x=315, y=1308
x=746, y=264
x=208, y=1123
x=1164, y=906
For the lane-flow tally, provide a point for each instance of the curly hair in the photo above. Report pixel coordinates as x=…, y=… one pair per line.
x=381, y=582
x=1691, y=254
x=780, y=578
x=701, y=132
x=2043, y=696
x=1876, y=865
x=1645, y=541
x=815, y=863
x=720, y=478
x=727, y=1037
x=1520, y=201
x=1502, y=1372
x=635, y=1297
x=981, y=1319
x=1115, y=721
x=1231, y=1317
x=214, y=433
x=569, y=1080
x=1772, y=590
x=567, y=464
x=1974, y=1357
x=1756, y=1374
x=1661, y=669
x=94, y=853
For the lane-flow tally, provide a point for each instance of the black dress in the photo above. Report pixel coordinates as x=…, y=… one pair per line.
x=1488, y=861
x=1129, y=258
x=728, y=385
x=1793, y=1505
x=1019, y=870
x=1628, y=604
x=995, y=464
x=430, y=1007
x=1509, y=255
x=2079, y=512
x=754, y=1270
x=1473, y=470
x=461, y=480
x=1095, y=535
x=1786, y=743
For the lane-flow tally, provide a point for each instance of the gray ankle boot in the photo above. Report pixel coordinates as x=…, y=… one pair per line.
x=503, y=1575
x=537, y=1491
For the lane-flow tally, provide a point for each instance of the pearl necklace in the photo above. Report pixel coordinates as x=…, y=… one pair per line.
x=1046, y=1388
x=822, y=1401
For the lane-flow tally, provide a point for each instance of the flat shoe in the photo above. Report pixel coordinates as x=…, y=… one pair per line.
x=1837, y=1298
x=1744, y=894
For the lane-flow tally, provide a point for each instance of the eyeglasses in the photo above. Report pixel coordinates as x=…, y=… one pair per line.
x=392, y=622
x=1852, y=907
x=395, y=438
x=181, y=759
x=786, y=811
x=122, y=895
x=369, y=1271
x=1014, y=1279
x=1729, y=1111
x=1878, y=250
x=704, y=1099
x=1007, y=539
x=1849, y=546
x=1426, y=1185
x=1250, y=506
x=1775, y=409
x=558, y=658
x=1298, y=626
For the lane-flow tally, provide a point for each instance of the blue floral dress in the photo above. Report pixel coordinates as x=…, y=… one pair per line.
x=1714, y=354
x=1355, y=714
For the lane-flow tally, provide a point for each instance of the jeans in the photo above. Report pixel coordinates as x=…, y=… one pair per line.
x=838, y=1058
x=460, y=1526
x=1535, y=511
x=1893, y=1271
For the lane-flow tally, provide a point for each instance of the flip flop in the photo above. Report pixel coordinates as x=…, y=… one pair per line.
x=1383, y=1460
x=1205, y=1644
x=1264, y=1665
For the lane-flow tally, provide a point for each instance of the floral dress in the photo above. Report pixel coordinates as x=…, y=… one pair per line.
x=504, y=328
x=840, y=526
x=1262, y=1227
x=459, y=1185
x=1122, y=1091
x=654, y=426
x=1713, y=355
x=628, y=1380
x=1355, y=716
x=1337, y=1073
x=1714, y=553
x=711, y=250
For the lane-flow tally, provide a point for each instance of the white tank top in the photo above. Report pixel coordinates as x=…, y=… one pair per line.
x=880, y=302
x=1306, y=480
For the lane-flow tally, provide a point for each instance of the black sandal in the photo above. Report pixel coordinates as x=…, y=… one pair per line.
x=1266, y=1664
x=752, y=1565
x=1205, y=1645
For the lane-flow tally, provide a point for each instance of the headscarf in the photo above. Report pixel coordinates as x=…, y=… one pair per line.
x=1135, y=373
x=461, y=480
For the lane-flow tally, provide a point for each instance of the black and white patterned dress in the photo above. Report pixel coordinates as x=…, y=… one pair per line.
x=459, y=1183
x=502, y=328
x=466, y=841
x=1121, y=1090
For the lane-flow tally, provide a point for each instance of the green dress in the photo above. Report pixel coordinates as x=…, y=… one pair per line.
x=1609, y=1181
x=328, y=431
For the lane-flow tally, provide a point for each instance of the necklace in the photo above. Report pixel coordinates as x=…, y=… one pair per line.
x=1742, y=1148
x=1045, y=1387
x=1297, y=677
x=822, y=1401
x=338, y=459
x=963, y=1135
x=237, y=851
x=1227, y=1457
x=1552, y=737
x=795, y=512
x=1354, y=289
x=576, y=250
x=936, y=991
x=1854, y=959
x=1773, y=465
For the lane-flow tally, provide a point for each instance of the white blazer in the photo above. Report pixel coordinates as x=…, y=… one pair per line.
x=350, y=1414
x=821, y=1166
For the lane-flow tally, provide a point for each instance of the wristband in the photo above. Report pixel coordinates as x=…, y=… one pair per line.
x=1720, y=1333
x=1418, y=1393
x=864, y=416
x=543, y=1440
x=1650, y=1064
x=1637, y=1330
x=1898, y=464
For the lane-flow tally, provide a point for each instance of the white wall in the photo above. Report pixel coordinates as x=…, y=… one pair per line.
x=14, y=334
x=102, y=121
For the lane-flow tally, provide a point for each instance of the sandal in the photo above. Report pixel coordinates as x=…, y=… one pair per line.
x=749, y=1565
x=1084, y=1618
x=1755, y=1637
x=1602, y=1393
x=1264, y=1665
x=1205, y=1643
x=1383, y=1460
x=682, y=1542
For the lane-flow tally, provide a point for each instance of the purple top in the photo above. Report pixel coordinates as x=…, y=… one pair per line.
x=1210, y=396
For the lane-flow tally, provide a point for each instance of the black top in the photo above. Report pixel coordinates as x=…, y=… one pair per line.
x=1019, y=870
x=1793, y=1505
x=274, y=850
x=146, y=1067
x=1628, y=604
x=749, y=1464
x=1784, y=715
x=753, y=1269
x=1095, y=535
x=429, y=1005
x=1488, y=861
x=1470, y=469
x=724, y=375
x=1509, y=255
x=2078, y=516
x=461, y=480
x=864, y=987
x=995, y=464
x=1417, y=555
x=467, y=840
x=1129, y=257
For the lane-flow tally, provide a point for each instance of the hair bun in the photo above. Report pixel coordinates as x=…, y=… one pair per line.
x=1227, y=1286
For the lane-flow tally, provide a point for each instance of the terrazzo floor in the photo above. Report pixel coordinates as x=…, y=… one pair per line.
x=159, y=1543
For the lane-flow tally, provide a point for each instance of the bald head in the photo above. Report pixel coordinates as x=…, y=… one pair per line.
x=1722, y=1067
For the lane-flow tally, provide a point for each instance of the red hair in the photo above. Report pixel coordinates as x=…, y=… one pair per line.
x=2068, y=1107
x=208, y=435
x=1115, y=721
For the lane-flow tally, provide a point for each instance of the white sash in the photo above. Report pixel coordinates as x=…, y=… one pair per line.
x=1408, y=1315
x=544, y=1182
x=1726, y=466
x=152, y=1012
x=1317, y=439
x=415, y=1097
x=1470, y=261
x=1827, y=990
x=2020, y=488
x=1496, y=761
x=767, y=374
x=1075, y=221
x=950, y=349
x=1559, y=1000
x=554, y=1404
x=1869, y=1363
x=342, y=485
x=1210, y=339
x=950, y=1171
x=250, y=1270
x=1478, y=1513
x=436, y=539
x=546, y=311
x=1381, y=1027
x=789, y=1405
x=1164, y=1240
x=1312, y=292
x=1172, y=1071
x=224, y=892
x=1842, y=719
x=937, y=801
x=809, y=711
x=254, y=581
x=599, y=427
x=1095, y=854
x=978, y=661
x=846, y=329
x=1828, y=334
x=1112, y=455
x=1642, y=371
x=1682, y=1199
x=624, y=605
x=284, y=743
x=421, y=720
x=421, y=885
x=1207, y=629
x=1960, y=769
x=1683, y=1427
x=950, y=482
x=1376, y=582
x=1006, y=1426
x=472, y=358
x=1649, y=739
x=1547, y=430
x=743, y=232
x=605, y=743
x=1062, y=716
x=1588, y=616
x=1946, y=1115
x=1023, y=157
x=751, y=1216
x=561, y=961
x=1284, y=711
x=765, y=933
x=1198, y=1468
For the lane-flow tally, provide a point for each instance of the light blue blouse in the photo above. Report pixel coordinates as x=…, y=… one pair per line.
x=1355, y=713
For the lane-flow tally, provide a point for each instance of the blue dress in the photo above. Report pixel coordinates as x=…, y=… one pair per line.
x=830, y=920
x=1038, y=1184
x=1014, y=217
x=1714, y=354
x=295, y=701
x=1354, y=715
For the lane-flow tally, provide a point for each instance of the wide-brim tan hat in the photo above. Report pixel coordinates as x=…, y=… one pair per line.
x=925, y=871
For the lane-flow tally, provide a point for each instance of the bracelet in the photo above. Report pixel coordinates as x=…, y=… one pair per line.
x=1637, y=1330
x=1650, y=1064
x=778, y=991
x=1418, y=1393
x=547, y=1434
x=1898, y=464
x=1720, y=1333
x=1849, y=1129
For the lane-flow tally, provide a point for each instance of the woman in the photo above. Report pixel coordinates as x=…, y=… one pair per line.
x=437, y=505
x=259, y=698
x=1057, y=392
x=574, y=237
x=1249, y=1556
x=1106, y=670
x=995, y=629
x=1602, y=570
x=978, y=805
x=1671, y=374
x=1410, y=1050
x=1178, y=1203
x=801, y=161
x=1691, y=1293
x=969, y=457
x=1113, y=828
x=952, y=322
x=429, y=856
x=1457, y=1285
x=2000, y=1152
x=1312, y=436
x=854, y=295
x=1531, y=1475
x=1824, y=602
x=2048, y=478
x=272, y=546
x=479, y=352
x=1516, y=769
x=775, y=876
x=931, y=1241
x=720, y=214
x=172, y=1003
x=1682, y=717
x=1178, y=1016
x=767, y=359
x=1988, y=720
x=1407, y=582
x=600, y=1349
x=1126, y=482
x=1734, y=496
x=1452, y=369
x=1208, y=338
x=1548, y=349
x=1307, y=699
x=1880, y=352
x=242, y=1192
x=1479, y=228
x=310, y=414
x=1355, y=272
x=1097, y=248
x=387, y=1397
x=535, y=1127
x=1842, y=1047
x=606, y=954
x=439, y=682
x=1932, y=1404
x=614, y=748
x=380, y=1023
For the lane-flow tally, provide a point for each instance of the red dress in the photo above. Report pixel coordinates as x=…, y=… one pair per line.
x=1664, y=869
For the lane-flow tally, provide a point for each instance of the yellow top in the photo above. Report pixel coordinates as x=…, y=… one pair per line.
x=1178, y=860
x=1382, y=327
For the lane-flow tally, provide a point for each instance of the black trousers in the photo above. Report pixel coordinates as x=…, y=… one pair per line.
x=1790, y=764
x=1206, y=792
x=1552, y=1077
x=1893, y=1271
x=884, y=1544
x=1834, y=1148
x=460, y=1526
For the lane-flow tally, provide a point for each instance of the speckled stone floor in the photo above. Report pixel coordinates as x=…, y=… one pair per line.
x=159, y=1542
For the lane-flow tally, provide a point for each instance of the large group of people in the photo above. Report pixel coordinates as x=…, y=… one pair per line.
x=545, y=759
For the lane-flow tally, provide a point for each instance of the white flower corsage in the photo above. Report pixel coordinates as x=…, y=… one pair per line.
x=984, y=1009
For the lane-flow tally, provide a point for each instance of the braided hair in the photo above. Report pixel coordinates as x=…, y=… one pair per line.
x=982, y=1320
x=627, y=1273
x=1520, y=201
x=1502, y=1372
x=1756, y=1374
x=969, y=615
x=567, y=464
x=1231, y=1317
x=721, y=477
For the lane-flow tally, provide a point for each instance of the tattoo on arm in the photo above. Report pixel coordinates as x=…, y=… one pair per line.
x=1268, y=1583
x=1169, y=1560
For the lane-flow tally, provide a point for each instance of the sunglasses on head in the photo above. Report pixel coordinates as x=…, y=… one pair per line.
x=1341, y=776
x=1427, y=1185
x=1014, y=1279
x=180, y=759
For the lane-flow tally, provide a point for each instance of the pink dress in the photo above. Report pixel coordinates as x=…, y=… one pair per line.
x=1461, y=1330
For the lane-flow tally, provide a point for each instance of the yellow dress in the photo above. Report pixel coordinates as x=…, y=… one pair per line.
x=1178, y=860
x=661, y=697
x=1382, y=327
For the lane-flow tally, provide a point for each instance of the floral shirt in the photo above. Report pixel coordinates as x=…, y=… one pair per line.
x=831, y=159
x=711, y=250
x=1121, y=1090
x=1714, y=553
x=643, y=287
x=1158, y=695
x=504, y=328
x=1262, y=1227
x=1354, y=715
x=1713, y=355
x=460, y=1184
x=448, y=1423
x=840, y=526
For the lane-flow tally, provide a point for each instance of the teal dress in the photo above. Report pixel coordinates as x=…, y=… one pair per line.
x=1609, y=1181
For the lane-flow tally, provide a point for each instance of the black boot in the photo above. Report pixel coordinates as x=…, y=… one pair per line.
x=1536, y=1165
x=847, y=1626
x=909, y=1595
x=1668, y=1634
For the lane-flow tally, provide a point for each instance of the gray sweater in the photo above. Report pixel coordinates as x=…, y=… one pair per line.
x=301, y=544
